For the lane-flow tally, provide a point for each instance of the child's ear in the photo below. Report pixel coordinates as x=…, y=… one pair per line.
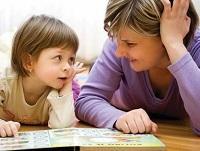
x=28, y=62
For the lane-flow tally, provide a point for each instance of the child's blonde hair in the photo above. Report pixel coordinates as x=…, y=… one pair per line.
x=38, y=33
x=142, y=16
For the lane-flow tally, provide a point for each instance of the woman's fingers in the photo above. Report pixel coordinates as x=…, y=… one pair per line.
x=174, y=16
x=185, y=7
x=167, y=6
x=132, y=126
x=140, y=124
x=136, y=121
x=147, y=122
x=154, y=127
x=122, y=126
x=180, y=8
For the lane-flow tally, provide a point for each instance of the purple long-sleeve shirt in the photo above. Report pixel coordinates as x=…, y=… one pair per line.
x=113, y=88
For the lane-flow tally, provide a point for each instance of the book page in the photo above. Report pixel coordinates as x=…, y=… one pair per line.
x=101, y=138
x=78, y=137
x=26, y=140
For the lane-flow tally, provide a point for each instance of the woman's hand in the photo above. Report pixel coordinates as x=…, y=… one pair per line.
x=174, y=26
x=75, y=69
x=9, y=128
x=136, y=121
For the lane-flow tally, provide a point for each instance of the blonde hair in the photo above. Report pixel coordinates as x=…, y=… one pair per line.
x=142, y=16
x=38, y=33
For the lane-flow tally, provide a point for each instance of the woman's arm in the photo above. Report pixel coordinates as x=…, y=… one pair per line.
x=187, y=74
x=175, y=24
x=93, y=105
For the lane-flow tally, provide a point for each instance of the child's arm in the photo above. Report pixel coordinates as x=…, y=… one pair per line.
x=7, y=128
x=61, y=113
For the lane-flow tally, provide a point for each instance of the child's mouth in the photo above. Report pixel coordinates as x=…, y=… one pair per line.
x=62, y=78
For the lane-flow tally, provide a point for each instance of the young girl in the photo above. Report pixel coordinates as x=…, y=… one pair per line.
x=38, y=87
x=149, y=66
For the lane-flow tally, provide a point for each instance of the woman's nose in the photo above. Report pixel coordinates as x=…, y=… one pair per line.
x=121, y=52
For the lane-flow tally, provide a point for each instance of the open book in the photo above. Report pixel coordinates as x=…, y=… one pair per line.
x=83, y=139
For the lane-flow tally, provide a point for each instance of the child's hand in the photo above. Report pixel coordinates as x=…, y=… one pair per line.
x=76, y=69
x=9, y=128
x=136, y=121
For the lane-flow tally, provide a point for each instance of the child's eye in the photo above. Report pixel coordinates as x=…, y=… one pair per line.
x=71, y=60
x=58, y=58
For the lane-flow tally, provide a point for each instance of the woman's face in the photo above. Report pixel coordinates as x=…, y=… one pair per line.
x=142, y=52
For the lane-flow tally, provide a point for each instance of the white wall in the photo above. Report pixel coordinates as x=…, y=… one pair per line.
x=84, y=16
x=197, y=5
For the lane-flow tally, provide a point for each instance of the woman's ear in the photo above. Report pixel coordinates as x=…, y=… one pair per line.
x=28, y=62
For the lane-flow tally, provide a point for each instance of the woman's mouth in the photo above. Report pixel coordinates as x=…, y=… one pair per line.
x=132, y=60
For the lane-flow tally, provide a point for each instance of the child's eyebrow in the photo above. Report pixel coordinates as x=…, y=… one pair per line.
x=59, y=50
x=128, y=41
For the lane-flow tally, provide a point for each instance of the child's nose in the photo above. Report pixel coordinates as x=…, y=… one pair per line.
x=66, y=67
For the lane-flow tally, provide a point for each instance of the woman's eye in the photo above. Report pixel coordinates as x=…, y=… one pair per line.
x=130, y=44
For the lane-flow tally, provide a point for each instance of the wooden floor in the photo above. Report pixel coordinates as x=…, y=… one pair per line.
x=176, y=135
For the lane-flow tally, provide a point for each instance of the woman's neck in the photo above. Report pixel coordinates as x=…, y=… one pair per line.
x=160, y=79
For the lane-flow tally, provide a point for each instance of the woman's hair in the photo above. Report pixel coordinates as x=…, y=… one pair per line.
x=142, y=16
x=37, y=34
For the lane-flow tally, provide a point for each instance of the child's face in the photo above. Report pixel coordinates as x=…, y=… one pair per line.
x=52, y=67
x=142, y=52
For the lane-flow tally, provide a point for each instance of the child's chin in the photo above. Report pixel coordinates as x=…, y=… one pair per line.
x=57, y=87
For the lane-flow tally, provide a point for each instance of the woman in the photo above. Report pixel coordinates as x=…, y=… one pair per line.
x=150, y=65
